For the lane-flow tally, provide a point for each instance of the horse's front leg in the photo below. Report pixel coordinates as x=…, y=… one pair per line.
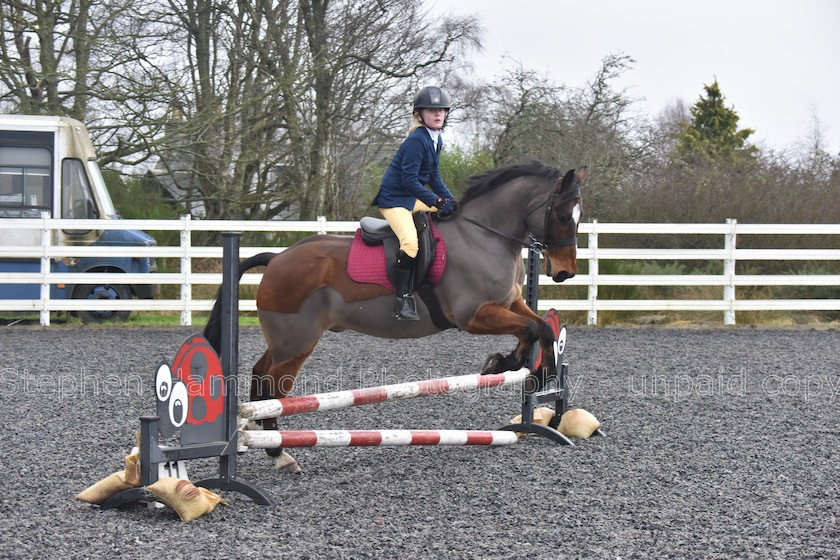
x=528, y=327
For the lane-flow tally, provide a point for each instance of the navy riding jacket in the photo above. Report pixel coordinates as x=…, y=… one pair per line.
x=414, y=166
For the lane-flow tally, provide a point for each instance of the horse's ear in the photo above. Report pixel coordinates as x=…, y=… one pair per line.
x=567, y=180
x=581, y=174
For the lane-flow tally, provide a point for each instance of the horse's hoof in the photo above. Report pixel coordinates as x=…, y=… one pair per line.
x=286, y=462
x=493, y=364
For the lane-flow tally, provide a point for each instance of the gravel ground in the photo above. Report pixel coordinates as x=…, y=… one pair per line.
x=722, y=443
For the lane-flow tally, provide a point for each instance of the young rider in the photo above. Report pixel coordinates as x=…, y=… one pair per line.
x=404, y=191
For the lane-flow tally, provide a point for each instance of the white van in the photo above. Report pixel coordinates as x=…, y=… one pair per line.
x=48, y=164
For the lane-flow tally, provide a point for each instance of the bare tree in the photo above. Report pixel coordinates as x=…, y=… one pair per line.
x=532, y=117
x=261, y=108
x=286, y=99
x=94, y=60
x=347, y=94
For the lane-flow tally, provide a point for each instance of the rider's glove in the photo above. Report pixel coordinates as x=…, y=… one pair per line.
x=446, y=207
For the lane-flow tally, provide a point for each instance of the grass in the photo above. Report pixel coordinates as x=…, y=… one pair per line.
x=167, y=319
x=160, y=319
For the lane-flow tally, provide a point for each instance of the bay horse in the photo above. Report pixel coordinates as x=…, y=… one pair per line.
x=306, y=289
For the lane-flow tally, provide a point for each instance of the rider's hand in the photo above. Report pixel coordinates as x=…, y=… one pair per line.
x=446, y=207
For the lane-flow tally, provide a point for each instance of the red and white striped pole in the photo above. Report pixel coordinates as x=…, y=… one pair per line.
x=269, y=439
x=287, y=406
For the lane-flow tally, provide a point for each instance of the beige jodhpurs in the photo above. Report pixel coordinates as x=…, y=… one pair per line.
x=401, y=221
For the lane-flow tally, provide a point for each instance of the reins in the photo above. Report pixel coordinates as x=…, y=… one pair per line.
x=534, y=244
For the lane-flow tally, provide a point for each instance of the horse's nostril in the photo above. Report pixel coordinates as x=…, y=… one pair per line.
x=562, y=275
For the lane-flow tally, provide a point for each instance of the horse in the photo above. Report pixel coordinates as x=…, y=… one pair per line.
x=306, y=290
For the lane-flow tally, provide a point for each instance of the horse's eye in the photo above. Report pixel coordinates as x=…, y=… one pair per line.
x=565, y=218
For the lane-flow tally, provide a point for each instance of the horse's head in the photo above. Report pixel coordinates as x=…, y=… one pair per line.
x=562, y=218
x=553, y=222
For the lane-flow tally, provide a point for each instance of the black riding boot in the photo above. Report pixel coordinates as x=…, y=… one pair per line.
x=405, y=308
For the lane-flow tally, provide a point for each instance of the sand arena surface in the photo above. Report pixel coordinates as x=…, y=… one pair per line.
x=721, y=443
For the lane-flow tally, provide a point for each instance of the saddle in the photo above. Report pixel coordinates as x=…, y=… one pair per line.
x=374, y=252
x=376, y=231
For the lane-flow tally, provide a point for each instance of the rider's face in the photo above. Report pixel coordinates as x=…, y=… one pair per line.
x=433, y=118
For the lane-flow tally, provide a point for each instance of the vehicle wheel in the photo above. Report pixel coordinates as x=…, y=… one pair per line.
x=102, y=291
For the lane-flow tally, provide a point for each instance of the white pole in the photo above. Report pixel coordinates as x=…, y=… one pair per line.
x=186, y=270
x=592, y=314
x=46, y=241
x=729, y=272
x=270, y=439
x=288, y=406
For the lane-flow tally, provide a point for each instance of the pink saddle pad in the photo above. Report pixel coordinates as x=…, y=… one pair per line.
x=366, y=263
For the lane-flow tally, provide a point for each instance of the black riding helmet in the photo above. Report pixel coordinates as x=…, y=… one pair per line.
x=432, y=97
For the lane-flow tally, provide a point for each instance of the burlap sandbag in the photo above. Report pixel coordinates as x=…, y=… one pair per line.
x=542, y=415
x=117, y=482
x=131, y=475
x=578, y=423
x=188, y=500
x=104, y=489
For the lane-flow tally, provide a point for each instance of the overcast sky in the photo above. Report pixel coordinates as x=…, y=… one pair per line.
x=777, y=61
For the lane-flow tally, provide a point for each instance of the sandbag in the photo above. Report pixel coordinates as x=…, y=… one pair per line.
x=131, y=475
x=189, y=501
x=578, y=423
x=542, y=415
x=117, y=482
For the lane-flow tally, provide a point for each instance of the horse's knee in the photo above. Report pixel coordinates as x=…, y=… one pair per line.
x=536, y=331
x=543, y=333
x=532, y=334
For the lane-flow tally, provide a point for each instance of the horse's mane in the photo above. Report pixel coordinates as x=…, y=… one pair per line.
x=480, y=184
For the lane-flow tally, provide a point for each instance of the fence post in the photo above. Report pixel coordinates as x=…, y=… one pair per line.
x=322, y=225
x=729, y=272
x=592, y=314
x=46, y=241
x=186, y=270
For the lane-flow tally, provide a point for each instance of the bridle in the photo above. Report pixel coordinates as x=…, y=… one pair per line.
x=558, y=199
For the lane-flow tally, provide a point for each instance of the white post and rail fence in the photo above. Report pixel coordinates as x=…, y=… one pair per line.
x=594, y=253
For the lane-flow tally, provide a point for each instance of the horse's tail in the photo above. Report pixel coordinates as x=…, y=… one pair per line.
x=213, y=329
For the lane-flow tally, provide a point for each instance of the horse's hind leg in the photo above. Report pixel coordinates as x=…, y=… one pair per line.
x=291, y=339
x=259, y=377
x=276, y=381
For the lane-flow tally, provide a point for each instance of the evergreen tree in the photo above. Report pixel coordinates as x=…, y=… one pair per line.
x=712, y=134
